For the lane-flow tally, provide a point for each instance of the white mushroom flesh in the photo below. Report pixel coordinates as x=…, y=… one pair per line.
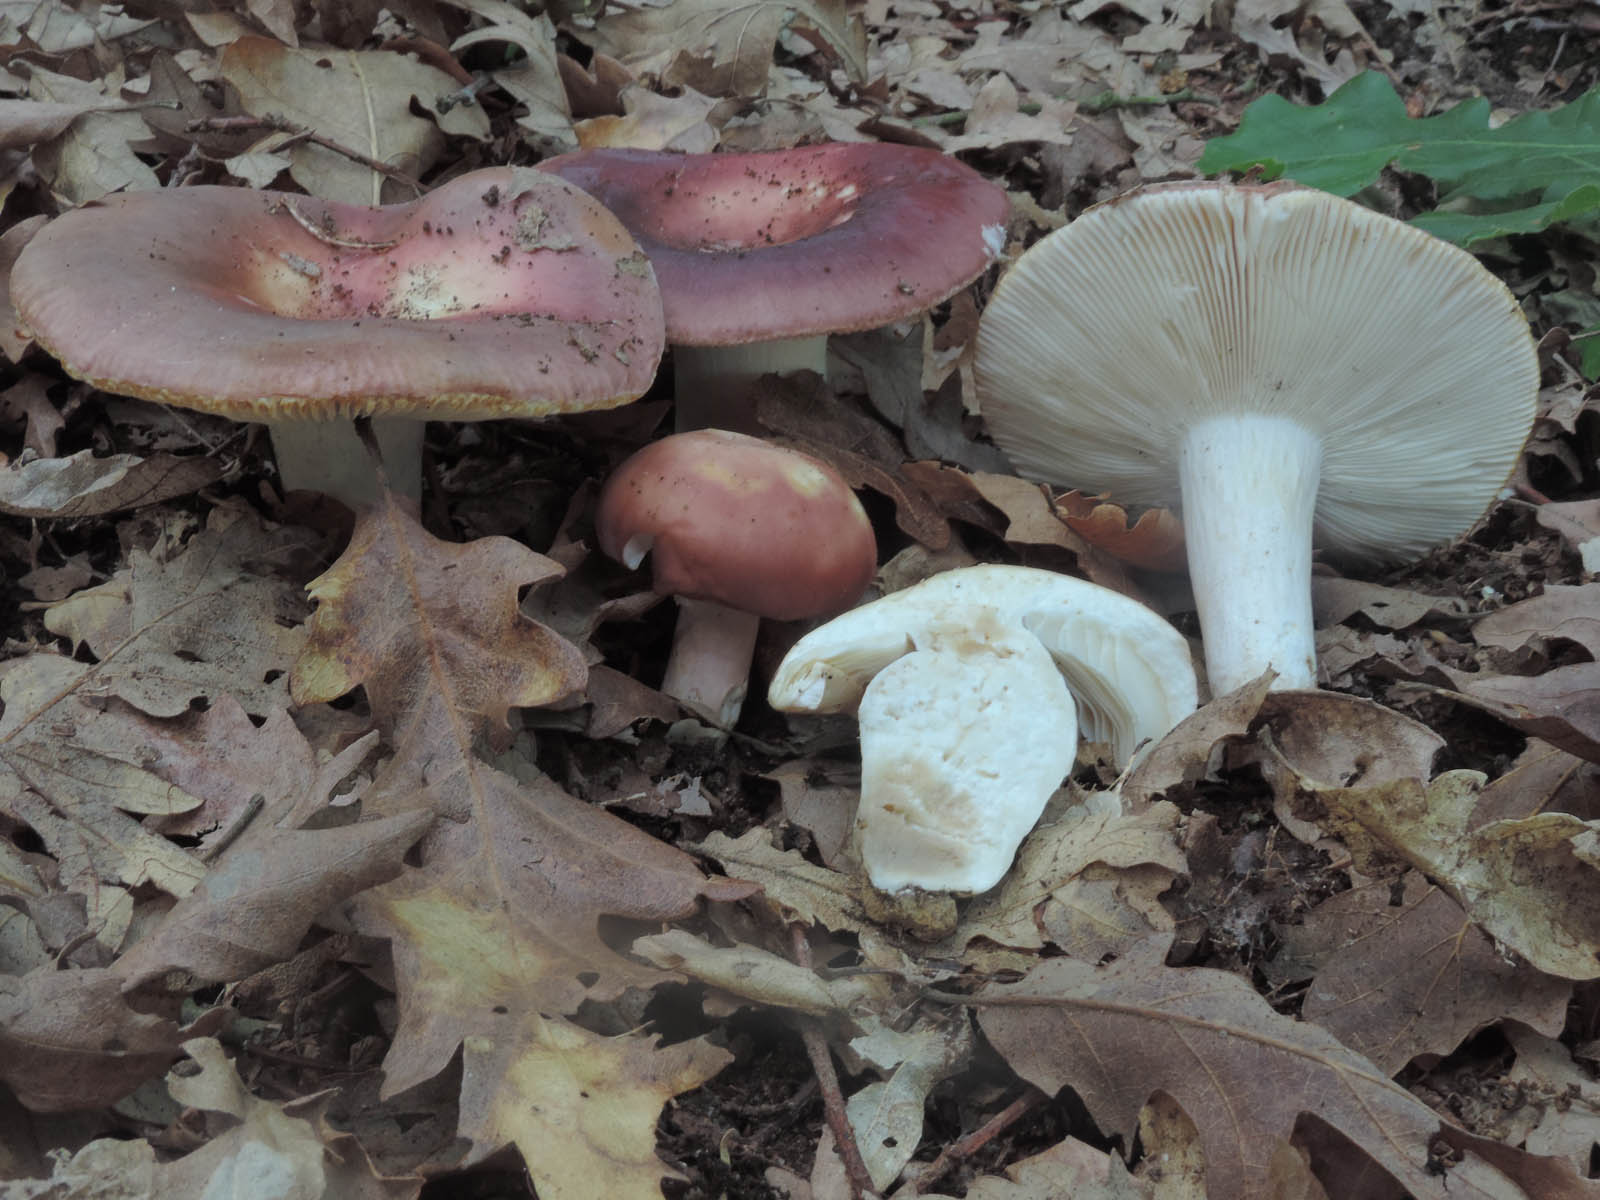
x=1129, y=670
x=962, y=742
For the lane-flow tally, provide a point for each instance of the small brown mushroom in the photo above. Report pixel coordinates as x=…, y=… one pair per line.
x=737, y=529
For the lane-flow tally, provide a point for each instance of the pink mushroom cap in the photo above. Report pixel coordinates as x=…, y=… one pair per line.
x=794, y=243
x=505, y=292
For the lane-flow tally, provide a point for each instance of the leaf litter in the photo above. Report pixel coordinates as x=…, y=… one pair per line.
x=312, y=834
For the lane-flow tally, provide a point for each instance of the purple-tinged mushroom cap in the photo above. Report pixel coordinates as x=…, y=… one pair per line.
x=760, y=256
x=505, y=292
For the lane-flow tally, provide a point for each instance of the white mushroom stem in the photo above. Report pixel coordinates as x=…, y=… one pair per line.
x=1249, y=494
x=962, y=742
x=708, y=671
x=328, y=457
x=711, y=384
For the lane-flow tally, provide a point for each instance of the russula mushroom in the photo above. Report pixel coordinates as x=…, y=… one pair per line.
x=737, y=529
x=503, y=293
x=1284, y=364
x=971, y=687
x=762, y=255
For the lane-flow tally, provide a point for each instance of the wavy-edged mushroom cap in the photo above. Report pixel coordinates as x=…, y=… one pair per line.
x=499, y=294
x=1275, y=358
x=505, y=292
x=1129, y=670
x=738, y=521
x=793, y=243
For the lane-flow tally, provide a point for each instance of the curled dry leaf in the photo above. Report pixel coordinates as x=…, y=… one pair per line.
x=1572, y=613
x=887, y=1114
x=1395, y=980
x=1333, y=599
x=360, y=99
x=257, y=902
x=1561, y=706
x=81, y=485
x=1184, y=755
x=583, y=1108
x=1243, y=1073
x=1153, y=541
x=1578, y=523
x=1087, y=882
x=14, y=339
x=69, y=1040
x=1530, y=882
x=749, y=972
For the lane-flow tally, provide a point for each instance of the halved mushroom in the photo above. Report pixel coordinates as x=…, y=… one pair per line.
x=965, y=687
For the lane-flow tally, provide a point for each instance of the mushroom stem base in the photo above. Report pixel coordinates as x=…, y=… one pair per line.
x=1249, y=498
x=711, y=384
x=328, y=457
x=708, y=671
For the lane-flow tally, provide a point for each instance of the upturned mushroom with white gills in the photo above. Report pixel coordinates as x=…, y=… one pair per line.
x=964, y=686
x=1286, y=365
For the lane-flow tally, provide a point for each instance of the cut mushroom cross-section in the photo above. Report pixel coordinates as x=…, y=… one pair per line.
x=971, y=688
x=1288, y=366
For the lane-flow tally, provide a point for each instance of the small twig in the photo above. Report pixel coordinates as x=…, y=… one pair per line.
x=1094, y=105
x=965, y=1147
x=1106, y=101
x=464, y=95
x=299, y=133
x=844, y=1138
x=231, y=833
x=328, y=239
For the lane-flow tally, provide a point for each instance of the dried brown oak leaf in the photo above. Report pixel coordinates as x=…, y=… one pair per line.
x=218, y=615
x=83, y=485
x=1087, y=882
x=258, y=900
x=1561, y=706
x=431, y=629
x=725, y=47
x=1243, y=1073
x=365, y=100
x=1560, y=612
x=1393, y=980
x=582, y=1107
x=1529, y=881
x=291, y=1145
x=68, y=1039
x=500, y=923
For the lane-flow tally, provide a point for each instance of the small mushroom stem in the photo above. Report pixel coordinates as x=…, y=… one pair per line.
x=711, y=384
x=708, y=670
x=328, y=457
x=1249, y=494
